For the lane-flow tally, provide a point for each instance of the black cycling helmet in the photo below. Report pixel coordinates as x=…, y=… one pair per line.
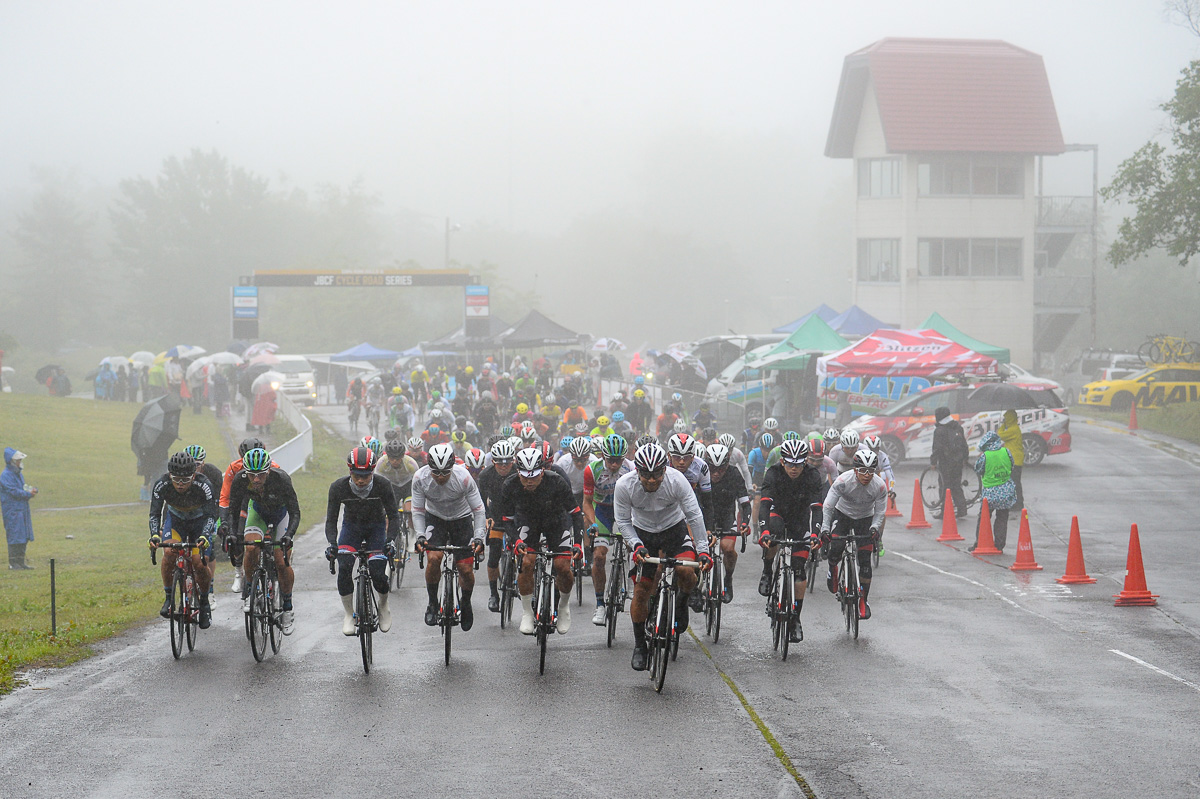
x=394, y=449
x=249, y=444
x=181, y=465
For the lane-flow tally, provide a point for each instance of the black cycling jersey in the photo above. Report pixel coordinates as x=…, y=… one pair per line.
x=214, y=475
x=788, y=498
x=551, y=500
x=377, y=507
x=490, y=486
x=277, y=495
x=198, y=500
x=728, y=494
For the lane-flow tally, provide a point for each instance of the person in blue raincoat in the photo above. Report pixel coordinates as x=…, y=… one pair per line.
x=14, y=505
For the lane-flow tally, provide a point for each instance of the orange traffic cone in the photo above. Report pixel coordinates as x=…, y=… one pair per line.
x=985, y=544
x=949, y=523
x=1134, y=592
x=1075, y=572
x=1025, y=561
x=892, y=510
x=918, y=512
x=1133, y=425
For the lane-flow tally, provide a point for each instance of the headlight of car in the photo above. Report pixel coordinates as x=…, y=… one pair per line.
x=309, y=384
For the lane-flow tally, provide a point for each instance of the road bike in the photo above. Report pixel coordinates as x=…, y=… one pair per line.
x=352, y=412
x=815, y=515
x=579, y=568
x=366, y=607
x=781, y=600
x=399, y=562
x=545, y=602
x=662, y=625
x=1162, y=348
x=264, y=618
x=507, y=582
x=616, y=589
x=933, y=491
x=450, y=609
x=184, y=614
x=712, y=587
x=848, y=586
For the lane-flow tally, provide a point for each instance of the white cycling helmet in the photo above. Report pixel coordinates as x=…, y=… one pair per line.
x=718, y=455
x=728, y=440
x=793, y=451
x=529, y=462
x=681, y=444
x=770, y=423
x=650, y=458
x=474, y=458
x=680, y=426
x=441, y=457
x=872, y=443
x=503, y=451
x=849, y=439
x=865, y=459
x=581, y=447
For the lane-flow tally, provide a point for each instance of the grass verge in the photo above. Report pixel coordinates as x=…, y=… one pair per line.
x=1180, y=421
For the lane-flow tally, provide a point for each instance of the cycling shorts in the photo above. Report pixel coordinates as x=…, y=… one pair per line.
x=557, y=532
x=673, y=542
x=449, y=532
x=262, y=519
x=176, y=528
x=604, y=526
x=353, y=534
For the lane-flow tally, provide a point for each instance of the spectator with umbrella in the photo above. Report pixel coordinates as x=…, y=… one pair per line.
x=155, y=429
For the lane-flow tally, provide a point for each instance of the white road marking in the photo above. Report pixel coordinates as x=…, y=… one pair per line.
x=1152, y=667
x=975, y=583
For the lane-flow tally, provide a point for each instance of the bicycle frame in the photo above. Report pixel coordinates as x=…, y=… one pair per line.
x=662, y=631
x=781, y=604
x=450, y=610
x=185, y=618
x=264, y=615
x=616, y=589
x=545, y=601
x=848, y=581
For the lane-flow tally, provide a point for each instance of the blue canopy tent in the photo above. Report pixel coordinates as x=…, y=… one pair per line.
x=365, y=352
x=823, y=311
x=855, y=322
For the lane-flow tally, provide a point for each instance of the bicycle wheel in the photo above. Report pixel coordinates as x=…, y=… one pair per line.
x=259, y=619
x=786, y=609
x=448, y=612
x=191, y=622
x=546, y=599
x=852, y=606
x=810, y=568
x=773, y=605
x=178, y=614
x=971, y=487
x=662, y=638
x=718, y=603
x=400, y=562
x=362, y=609
x=846, y=594
x=579, y=572
x=933, y=493
x=274, y=615
x=505, y=579
x=706, y=590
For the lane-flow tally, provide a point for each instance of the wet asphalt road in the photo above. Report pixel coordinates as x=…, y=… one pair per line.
x=969, y=680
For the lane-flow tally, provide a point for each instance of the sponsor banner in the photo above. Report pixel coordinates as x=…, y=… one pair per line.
x=478, y=310
x=477, y=291
x=361, y=279
x=245, y=302
x=476, y=301
x=245, y=291
x=245, y=313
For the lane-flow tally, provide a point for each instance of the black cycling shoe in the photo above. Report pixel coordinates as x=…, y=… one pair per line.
x=641, y=658
x=796, y=633
x=696, y=600
x=431, y=615
x=466, y=616
x=494, y=603
x=165, y=610
x=831, y=582
x=205, y=616
x=764, y=585
x=728, y=591
x=681, y=618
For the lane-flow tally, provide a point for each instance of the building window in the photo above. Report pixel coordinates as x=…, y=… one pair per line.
x=879, y=177
x=968, y=257
x=979, y=175
x=879, y=260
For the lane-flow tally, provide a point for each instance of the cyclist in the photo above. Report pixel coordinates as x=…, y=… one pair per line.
x=474, y=460
x=654, y=508
x=664, y=427
x=183, y=506
x=737, y=458
x=574, y=463
x=757, y=459
x=884, y=470
x=729, y=498
x=681, y=454
x=750, y=434
x=620, y=424
x=215, y=478
x=639, y=413
x=368, y=507
x=538, y=504
x=459, y=443
x=522, y=415
x=599, y=481
x=490, y=482
x=603, y=427
x=831, y=437
x=573, y=415
x=817, y=459
x=415, y=448
x=265, y=493
x=842, y=455
x=703, y=418
x=854, y=506
x=398, y=467
x=447, y=511
x=235, y=547
x=356, y=391
x=487, y=415
x=788, y=492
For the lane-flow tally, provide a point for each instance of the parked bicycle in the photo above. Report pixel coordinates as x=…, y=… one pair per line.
x=184, y=615
x=933, y=490
x=264, y=619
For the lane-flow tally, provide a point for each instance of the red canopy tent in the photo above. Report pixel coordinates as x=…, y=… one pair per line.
x=911, y=353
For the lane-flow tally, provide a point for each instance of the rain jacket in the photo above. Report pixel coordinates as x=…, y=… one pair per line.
x=14, y=501
x=1010, y=434
x=994, y=467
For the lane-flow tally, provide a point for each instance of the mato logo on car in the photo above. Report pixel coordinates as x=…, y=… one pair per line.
x=872, y=392
x=1159, y=396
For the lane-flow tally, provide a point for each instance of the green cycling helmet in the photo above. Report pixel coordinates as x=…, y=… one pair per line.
x=614, y=446
x=791, y=435
x=196, y=451
x=256, y=460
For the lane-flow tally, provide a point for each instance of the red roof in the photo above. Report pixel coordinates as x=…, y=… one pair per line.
x=948, y=95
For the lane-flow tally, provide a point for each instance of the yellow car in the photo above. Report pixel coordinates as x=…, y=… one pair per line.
x=1152, y=387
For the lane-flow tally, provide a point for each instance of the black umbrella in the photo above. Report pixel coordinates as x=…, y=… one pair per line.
x=237, y=346
x=92, y=374
x=46, y=372
x=1002, y=396
x=247, y=376
x=156, y=426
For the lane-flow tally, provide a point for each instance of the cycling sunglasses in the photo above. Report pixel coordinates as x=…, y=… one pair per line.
x=657, y=474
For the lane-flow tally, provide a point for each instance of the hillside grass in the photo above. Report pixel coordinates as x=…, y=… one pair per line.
x=79, y=455
x=1181, y=420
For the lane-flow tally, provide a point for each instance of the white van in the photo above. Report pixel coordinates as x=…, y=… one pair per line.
x=299, y=379
x=742, y=385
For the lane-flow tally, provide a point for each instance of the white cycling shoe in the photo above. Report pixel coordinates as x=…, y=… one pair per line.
x=348, y=625
x=287, y=621
x=239, y=578
x=599, y=617
x=385, y=615
x=564, y=613
x=527, y=615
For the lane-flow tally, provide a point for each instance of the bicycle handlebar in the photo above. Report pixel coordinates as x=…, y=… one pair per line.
x=672, y=562
x=286, y=545
x=173, y=545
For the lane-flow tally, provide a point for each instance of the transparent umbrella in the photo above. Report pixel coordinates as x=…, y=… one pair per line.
x=267, y=381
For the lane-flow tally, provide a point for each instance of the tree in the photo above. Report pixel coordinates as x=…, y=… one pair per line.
x=1163, y=184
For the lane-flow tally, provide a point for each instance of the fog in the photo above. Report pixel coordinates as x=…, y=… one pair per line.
x=579, y=147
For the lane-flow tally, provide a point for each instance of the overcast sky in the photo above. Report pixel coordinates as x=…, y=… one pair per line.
x=523, y=114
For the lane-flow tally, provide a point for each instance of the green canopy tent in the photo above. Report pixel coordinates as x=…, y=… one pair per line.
x=937, y=322
x=793, y=353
